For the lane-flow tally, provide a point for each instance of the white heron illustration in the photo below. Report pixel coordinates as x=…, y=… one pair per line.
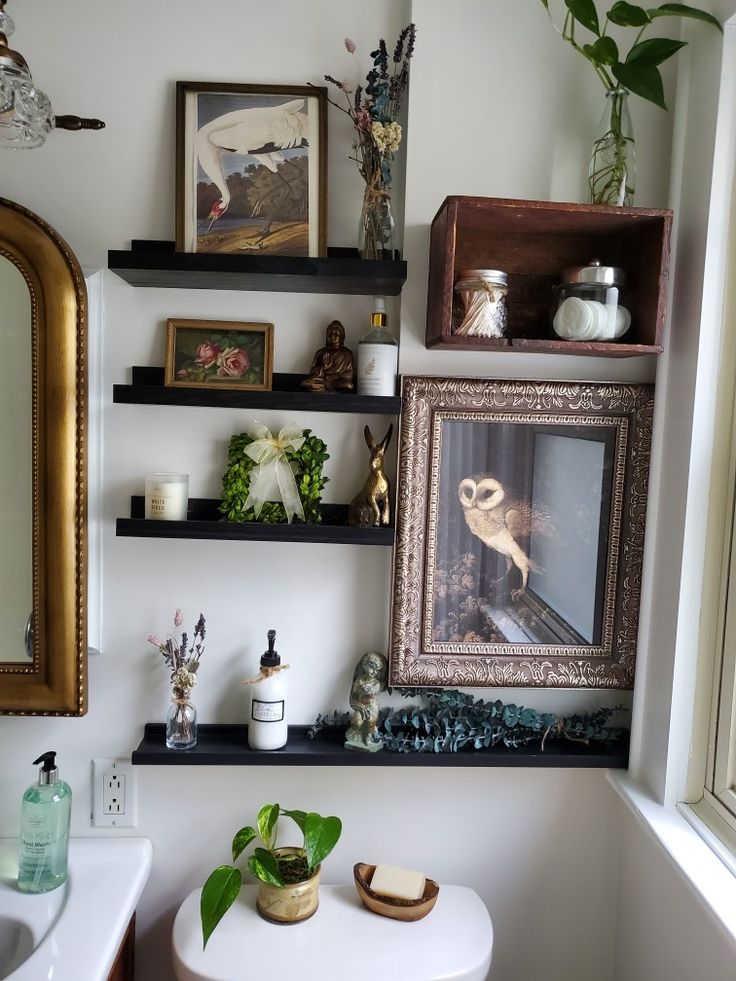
x=498, y=520
x=261, y=132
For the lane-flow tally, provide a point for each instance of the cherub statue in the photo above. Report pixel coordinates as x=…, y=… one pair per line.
x=332, y=367
x=369, y=680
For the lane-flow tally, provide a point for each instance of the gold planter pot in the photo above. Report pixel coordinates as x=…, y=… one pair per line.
x=291, y=903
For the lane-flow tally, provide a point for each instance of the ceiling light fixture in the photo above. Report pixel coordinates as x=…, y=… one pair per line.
x=26, y=115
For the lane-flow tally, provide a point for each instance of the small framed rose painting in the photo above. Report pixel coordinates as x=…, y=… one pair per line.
x=219, y=354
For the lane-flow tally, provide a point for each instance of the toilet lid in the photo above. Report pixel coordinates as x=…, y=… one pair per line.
x=343, y=938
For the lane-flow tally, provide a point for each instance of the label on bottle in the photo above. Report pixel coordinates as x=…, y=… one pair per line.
x=377, y=365
x=261, y=711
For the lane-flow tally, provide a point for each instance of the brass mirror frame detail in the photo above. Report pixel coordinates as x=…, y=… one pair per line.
x=417, y=659
x=56, y=682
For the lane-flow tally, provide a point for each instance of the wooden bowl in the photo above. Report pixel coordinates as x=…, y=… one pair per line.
x=397, y=909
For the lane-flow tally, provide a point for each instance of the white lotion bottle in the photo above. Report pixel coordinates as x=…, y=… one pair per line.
x=267, y=725
x=378, y=355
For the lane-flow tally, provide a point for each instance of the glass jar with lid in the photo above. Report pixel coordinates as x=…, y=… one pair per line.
x=483, y=295
x=590, y=304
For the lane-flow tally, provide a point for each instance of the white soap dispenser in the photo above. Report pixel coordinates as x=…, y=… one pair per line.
x=267, y=725
x=44, y=829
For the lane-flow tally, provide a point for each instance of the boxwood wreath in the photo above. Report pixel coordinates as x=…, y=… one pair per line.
x=447, y=721
x=306, y=462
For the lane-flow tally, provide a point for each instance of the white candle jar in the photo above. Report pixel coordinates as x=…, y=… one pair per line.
x=483, y=294
x=167, y=496
x=589, y=304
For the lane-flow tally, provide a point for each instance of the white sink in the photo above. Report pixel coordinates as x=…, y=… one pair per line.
x=74, y=931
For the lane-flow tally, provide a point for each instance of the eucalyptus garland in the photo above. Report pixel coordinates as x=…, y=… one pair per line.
x=306, y=462
x=447, y=721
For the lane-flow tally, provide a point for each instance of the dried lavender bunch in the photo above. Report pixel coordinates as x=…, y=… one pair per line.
x=374, y=108
x=181, y=657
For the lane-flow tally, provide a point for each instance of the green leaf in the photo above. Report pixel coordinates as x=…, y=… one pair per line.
x=298, y=817
x=268, y=817
x=585, y=12
x=218, y=895
x=321, y=834
x=642, y=79
x=682, y=10
x=545, y=4
x=653, y=51
x=265, y=867
x=628, y=15
x=241, y=841
x=603, y=52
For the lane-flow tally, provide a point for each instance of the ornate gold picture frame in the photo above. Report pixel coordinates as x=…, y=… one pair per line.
x=520, y=533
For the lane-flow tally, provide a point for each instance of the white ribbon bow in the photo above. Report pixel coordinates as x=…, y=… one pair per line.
x=273, y=478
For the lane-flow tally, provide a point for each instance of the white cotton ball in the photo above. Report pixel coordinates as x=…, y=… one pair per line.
x=623, y=321
x=573, y=320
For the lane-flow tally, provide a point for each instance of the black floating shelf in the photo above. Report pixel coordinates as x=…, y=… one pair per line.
x=204, y=521
x=148, y=388
x=227, y=745
x=340, y=271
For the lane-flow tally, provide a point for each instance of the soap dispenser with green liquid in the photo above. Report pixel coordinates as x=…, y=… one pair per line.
x=44, y=829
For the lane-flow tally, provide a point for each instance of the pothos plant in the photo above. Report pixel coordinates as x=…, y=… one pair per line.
x=634, y=70
x=221, y=889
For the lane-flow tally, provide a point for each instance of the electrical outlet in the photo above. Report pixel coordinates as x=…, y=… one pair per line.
x=114, y=794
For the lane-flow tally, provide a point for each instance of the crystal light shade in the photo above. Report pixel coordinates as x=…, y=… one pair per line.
x=26, y=116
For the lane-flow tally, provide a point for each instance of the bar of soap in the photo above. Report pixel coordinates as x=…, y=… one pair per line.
x=388, y=880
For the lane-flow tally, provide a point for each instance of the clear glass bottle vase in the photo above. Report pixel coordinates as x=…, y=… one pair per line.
x=181, y=724
x=612, y=171
x=376, y=229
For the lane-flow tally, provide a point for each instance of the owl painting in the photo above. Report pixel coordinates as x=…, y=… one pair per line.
x=500, y=522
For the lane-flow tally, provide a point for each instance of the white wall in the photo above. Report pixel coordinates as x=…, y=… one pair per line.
x=498, y=107
x=663, y=930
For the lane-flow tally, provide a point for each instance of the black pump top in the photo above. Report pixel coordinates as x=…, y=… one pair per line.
x=48, y=760
x=270, y=658
x=48, y=773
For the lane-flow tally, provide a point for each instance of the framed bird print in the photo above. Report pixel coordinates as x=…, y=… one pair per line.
x=520, y=533
x=251, y=166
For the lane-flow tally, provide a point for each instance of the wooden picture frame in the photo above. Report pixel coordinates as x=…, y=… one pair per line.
x=520, y=533
x=219, y=354
x=251, y=169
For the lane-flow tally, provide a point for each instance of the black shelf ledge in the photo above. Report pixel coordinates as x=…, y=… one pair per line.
x=152, y=263
x=148, y=388
x=204, y=521
x=227, y=745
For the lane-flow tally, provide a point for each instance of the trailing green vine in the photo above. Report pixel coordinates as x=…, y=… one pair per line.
x=448, y=721
x=306, y=462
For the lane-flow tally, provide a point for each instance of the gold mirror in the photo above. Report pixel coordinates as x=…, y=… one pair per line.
x=43, y=415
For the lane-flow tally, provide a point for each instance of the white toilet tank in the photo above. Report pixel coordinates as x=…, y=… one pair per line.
x=343, y=939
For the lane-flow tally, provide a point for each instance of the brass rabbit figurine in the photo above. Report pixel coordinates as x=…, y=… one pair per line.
x=370, y=507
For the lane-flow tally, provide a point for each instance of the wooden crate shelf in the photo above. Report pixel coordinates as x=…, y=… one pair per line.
x=152, y=263
x=533, y=241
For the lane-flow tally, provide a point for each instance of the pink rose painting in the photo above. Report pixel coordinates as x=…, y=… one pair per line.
x=233, y=362
x=219, y=354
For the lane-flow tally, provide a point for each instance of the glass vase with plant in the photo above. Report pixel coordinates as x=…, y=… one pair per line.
x=289, y=877
x=373, y=109
x=612, y=170
x=182, y=658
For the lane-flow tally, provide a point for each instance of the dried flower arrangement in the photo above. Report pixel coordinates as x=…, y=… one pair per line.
x=182, y=658
x=373, y=110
